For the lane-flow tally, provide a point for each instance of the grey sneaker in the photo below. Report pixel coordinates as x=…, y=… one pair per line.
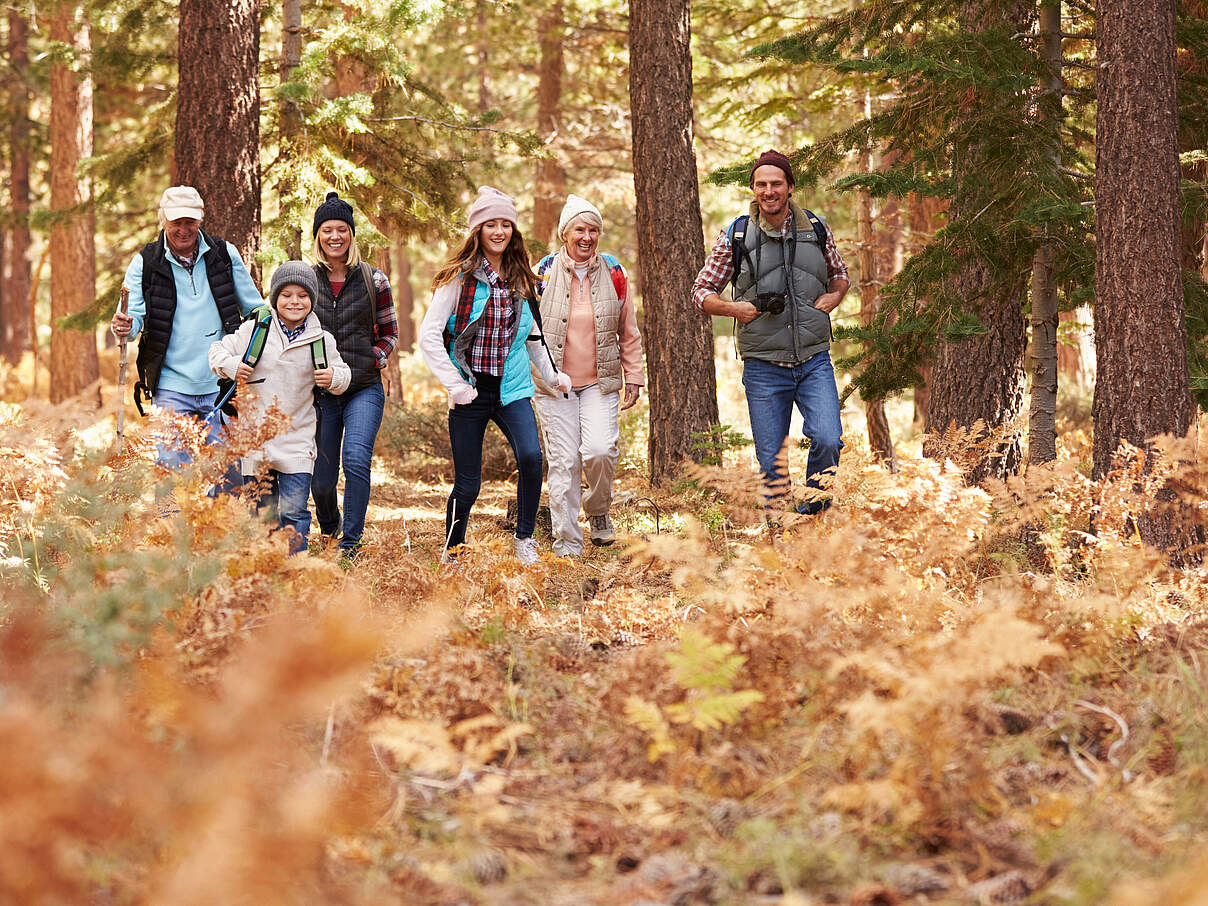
x=602, y=533
x=526, y=551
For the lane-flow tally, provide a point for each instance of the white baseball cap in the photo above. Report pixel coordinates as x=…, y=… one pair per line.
x=181, y=201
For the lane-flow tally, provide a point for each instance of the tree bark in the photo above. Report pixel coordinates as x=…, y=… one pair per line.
x=923, y=214
x=15, y=314
x=1142, y=388
x=678, y=341
x=73, y=355
x=1042, y=414
x=982, y=378
x=551, y=175
x=218, y=116
x=404, y=299
x=289, y=122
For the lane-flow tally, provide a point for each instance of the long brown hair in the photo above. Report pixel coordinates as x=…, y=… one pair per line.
x=516, y=271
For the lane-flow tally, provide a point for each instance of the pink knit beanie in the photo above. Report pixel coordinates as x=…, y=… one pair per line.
x=491, y=204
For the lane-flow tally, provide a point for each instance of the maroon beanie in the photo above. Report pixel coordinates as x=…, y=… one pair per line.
x=775, y=159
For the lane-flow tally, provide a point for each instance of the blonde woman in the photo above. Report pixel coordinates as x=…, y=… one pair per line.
x=479, y=337
x=356, y=306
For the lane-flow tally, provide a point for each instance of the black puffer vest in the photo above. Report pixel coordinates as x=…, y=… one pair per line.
x=159, y=293
x=351, y=317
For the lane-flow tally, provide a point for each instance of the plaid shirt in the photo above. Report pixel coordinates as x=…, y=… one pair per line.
x=496, y=328
x=386, y=335
x=719, y=266
x=292, y=333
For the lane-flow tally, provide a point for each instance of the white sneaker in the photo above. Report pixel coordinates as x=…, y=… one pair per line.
x=526, y=551
x=602, y=533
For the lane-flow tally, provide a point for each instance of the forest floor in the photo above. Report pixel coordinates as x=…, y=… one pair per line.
x=930, y=694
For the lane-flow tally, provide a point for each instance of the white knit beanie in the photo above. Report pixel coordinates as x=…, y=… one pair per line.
x=578, y=207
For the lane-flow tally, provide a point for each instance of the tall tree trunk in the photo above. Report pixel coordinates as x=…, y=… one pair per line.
x=880, y=441
x=982, y=378
x=1042, y=415
x=289, y=122
x=73, y=355
x=1142, y=388
x=679, y=342
x=923, y=213
x=484, y=57
x=218, y=116
x=15, y=316
x=551, y=175
x=404, y=298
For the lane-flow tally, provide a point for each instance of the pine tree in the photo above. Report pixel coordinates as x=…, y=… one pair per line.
x=678, y=341
x=218, y=116
x=73, y=353
x=1143, y=387
x=15, y=313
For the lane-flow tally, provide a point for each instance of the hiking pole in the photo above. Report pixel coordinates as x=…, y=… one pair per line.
x=121, y=374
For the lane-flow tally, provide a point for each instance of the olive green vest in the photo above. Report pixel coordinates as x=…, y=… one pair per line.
x=800, y=331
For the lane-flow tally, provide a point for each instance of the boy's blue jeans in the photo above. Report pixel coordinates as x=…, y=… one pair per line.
x=286, y=499
x=772, y=391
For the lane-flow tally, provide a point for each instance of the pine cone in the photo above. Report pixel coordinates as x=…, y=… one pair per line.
x=489, y=867
x=1164, y=757
x=1002, y=890
x=725, y=816
x=623, y=639
x=911, y=879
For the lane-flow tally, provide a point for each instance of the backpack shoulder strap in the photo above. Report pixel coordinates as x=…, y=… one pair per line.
x=738, y=247
x=263, y=316
x=318, y=353
x=371, y=289
x=619, y=283
x=819, y=228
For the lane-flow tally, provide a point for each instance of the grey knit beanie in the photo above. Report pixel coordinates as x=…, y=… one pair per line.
x=299, y=273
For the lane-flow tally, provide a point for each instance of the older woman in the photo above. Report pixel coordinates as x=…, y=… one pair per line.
x=588, y=315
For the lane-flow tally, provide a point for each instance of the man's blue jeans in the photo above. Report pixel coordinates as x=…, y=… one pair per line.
x=200, y=407
x=286, y=497
x=467, y=428
x=347, y=430
x=772, y=390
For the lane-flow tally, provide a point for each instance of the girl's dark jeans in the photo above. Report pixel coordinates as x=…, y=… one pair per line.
x=467, y=427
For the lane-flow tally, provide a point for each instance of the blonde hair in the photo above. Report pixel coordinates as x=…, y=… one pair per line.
x=352, y=257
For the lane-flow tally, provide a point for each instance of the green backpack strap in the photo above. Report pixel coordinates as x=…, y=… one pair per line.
x=255, y=346
x=318, y=354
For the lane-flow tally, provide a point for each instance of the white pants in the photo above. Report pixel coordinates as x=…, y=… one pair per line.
x=580, y=435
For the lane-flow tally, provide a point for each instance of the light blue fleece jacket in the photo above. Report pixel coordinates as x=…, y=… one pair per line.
x=196, y=323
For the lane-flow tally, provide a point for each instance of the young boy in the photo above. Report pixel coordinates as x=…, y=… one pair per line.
x=286, y=373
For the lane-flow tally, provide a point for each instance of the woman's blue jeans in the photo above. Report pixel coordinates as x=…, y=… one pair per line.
x=345, y=435
x=467, y=428
x=772, y=390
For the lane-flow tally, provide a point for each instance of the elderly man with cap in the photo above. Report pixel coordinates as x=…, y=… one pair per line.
x=786, y=277
x=187, y=289
x=588, y=317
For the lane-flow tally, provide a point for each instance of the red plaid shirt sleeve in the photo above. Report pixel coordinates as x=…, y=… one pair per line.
x=387, y=320
x=716, y=273
x=835, y=268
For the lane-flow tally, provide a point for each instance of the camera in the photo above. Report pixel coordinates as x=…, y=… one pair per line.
x=771, y=303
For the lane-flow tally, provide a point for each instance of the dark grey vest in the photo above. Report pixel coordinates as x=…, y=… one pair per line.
x=800, y=331
x=351, y=317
